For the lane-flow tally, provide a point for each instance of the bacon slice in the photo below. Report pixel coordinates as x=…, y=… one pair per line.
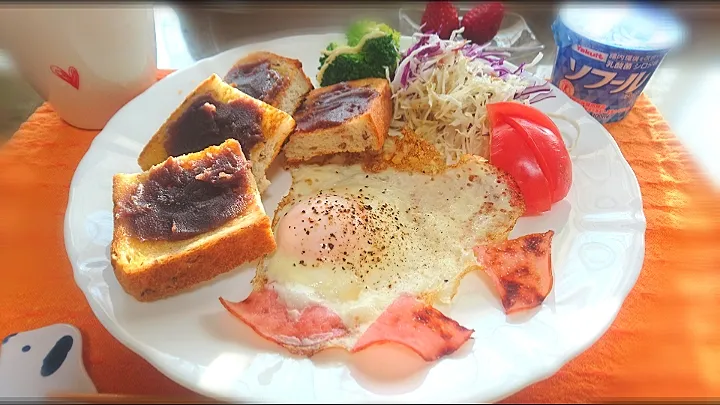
x=304, y=331
x=520, y=269
x=420, y=327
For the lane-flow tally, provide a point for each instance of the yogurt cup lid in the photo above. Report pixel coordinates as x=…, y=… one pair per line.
x=639, y=28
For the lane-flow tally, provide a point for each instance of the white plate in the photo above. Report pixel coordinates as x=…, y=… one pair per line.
x=597, y=255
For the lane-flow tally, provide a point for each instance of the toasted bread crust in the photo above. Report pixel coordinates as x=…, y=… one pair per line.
x=363, y=133
x=174, y=274
x=154, y=152
x=155, y=269
x=382, y=112
x=276, y=127
x=293, y=91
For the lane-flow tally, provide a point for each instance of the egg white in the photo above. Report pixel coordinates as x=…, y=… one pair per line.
x=396, y=233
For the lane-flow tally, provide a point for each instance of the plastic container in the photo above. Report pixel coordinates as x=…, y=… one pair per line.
x=605, y=56
x=514, y=37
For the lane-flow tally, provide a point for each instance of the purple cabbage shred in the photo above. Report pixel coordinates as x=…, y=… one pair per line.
x=496, y=60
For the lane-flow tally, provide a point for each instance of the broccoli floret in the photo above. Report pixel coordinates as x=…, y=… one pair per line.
x=348, y=67
x=381, y=51
x=329, y=48
x=375, y=55
x=358, y=30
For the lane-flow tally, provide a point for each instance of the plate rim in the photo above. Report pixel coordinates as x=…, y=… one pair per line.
x=179, y=378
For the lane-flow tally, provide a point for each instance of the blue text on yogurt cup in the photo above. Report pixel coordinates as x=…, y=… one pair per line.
x=605, y=56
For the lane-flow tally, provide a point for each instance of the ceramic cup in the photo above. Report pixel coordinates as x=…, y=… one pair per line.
x=87, y=62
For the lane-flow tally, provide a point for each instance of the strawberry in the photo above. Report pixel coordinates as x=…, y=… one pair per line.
x=440, y=17
x=482, y=23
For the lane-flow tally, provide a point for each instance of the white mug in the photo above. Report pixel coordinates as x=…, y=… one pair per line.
x=86, y=61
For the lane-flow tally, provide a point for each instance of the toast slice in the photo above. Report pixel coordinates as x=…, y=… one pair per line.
x=186, y=221
x=274, y=79
x=345, y=117
x=214, y=112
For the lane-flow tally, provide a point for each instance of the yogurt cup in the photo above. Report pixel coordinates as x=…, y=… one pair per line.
x=605, y=56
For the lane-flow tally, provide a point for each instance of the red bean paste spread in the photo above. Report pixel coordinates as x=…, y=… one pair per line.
x=333, y=107
x=210, y=122
x=256, y=80
x=176, y=203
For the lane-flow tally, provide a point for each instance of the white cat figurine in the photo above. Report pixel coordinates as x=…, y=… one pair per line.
x=43, y=362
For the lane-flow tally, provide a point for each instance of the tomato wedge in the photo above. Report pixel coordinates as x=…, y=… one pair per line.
x=498, y=111
x=512, y=154
x=528, y=145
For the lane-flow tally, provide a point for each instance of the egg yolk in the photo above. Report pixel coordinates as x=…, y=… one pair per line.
x=325, y=228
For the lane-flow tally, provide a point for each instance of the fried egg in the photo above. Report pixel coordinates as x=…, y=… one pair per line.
x=354, y=241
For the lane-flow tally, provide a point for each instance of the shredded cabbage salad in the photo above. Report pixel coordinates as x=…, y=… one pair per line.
x=441, y=88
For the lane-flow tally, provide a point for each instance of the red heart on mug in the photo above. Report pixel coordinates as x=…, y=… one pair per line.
x=71, y=76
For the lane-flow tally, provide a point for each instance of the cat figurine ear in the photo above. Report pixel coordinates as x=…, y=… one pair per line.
x=43, y=362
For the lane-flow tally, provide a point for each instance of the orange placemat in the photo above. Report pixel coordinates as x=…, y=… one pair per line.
x=664, y=343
